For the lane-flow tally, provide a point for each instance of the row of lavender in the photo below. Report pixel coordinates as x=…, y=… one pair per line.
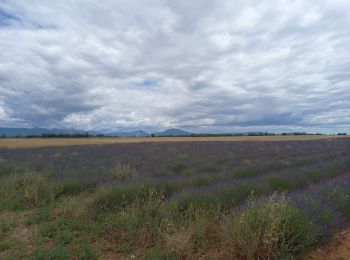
x=285, y=225
x=182, y=160
x=327, y=204
x=205, y=172
x=230, y=190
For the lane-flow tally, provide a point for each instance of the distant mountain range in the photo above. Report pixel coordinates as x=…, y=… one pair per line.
x=172, y=132
x=137, y=133
x=141, y=133
x=13, y=132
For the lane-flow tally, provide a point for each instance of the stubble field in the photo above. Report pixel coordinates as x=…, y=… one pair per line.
x=46, y=142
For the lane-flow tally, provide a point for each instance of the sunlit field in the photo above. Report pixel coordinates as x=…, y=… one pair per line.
x=44, y=142
x=172, y=198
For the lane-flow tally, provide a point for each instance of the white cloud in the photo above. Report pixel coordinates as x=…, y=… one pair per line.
x=156, y=64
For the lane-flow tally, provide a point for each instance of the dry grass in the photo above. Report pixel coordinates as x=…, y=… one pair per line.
x=19, y=234
x=73, y=207
x=45, y=142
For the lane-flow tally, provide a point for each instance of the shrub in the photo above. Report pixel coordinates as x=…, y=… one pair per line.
x=270, y=229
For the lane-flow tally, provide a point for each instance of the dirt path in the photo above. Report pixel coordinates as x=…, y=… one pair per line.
x=337, y=249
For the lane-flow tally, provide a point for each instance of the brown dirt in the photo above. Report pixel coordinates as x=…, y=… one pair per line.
x=337, y=249
x=44, y=142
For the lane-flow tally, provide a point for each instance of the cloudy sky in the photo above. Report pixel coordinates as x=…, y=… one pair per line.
x=201, y=65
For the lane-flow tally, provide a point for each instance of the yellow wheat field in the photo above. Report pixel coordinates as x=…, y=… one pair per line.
x=45, y=142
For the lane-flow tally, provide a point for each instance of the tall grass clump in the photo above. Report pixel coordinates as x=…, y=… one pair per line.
x=32, y=190
x=28, y=190
x=138, y=226
x=269, y=229
x=111, y=199
x=71, y=188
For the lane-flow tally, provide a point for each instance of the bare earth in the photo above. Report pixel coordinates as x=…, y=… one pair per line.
x=44, y=142
x=337, y=249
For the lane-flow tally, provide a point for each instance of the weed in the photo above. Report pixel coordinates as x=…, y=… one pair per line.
x=58, y=252
x=159, y=255
x=4, y=226
x=65, y=237
x=38, y=216
x=5, y=245
x=85, y=251
x=48, y=230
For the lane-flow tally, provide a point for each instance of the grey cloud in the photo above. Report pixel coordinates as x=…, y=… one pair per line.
x=228, y=65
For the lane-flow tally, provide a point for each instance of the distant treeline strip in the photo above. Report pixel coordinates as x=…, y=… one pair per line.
x=51, y=135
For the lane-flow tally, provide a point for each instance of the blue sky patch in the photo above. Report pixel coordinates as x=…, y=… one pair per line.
x=7, y=18
x=148, y=83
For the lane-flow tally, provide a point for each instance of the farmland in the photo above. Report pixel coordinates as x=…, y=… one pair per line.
x=164, y=198
x=45, y=142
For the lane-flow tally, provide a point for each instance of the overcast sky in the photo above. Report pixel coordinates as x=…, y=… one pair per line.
x=201, y=65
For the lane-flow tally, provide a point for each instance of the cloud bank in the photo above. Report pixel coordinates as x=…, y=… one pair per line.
x=205, y=66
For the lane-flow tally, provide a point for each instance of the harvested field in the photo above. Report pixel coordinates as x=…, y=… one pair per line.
x=45, y=142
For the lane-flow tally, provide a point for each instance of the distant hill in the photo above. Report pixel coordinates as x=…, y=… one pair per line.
x=12, y=132
x=172, y=132
x=137, y=133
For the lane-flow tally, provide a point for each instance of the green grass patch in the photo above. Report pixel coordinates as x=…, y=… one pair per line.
x=6, y=245
x=38, y=216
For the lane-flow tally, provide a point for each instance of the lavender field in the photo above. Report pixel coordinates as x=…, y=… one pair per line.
x=202, y=172
x=236, y=200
